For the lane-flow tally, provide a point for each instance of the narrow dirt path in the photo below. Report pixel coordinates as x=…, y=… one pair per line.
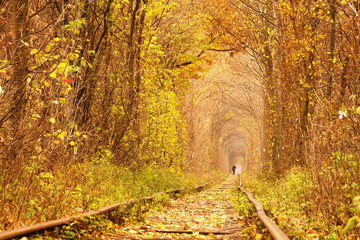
x=206, y=215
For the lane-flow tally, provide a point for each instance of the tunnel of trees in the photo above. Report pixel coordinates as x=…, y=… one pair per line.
x=187, y=85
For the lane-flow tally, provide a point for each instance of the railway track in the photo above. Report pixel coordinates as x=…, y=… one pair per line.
x=207, y=215
x=204, y=215
x=274, y=230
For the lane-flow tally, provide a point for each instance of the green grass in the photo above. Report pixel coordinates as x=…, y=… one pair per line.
x=288, y=201
x=39, y=195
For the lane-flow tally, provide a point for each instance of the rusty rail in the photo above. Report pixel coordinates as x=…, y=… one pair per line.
x=274, y=230
x=22, y=231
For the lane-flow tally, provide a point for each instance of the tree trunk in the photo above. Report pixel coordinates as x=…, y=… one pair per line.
x=332, y=11
x=20, y=28
x=137, y=14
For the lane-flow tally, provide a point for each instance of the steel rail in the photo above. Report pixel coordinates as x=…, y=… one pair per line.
x=274, y=230
x=22, y=231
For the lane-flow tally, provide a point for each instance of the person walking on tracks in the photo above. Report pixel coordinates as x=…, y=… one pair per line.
x=237, y=170
x=233, y=169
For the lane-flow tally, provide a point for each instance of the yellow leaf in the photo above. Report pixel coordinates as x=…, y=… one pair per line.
x=47, y=48
x=52, y=120
x=73, y=56
x=34, y=116
x=83, y=62
x=33, y=51
x=72, y=143
x=53, y=74
x=61, y=135
x=358, y=110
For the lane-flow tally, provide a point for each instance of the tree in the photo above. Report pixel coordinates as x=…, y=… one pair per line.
x=14, y=115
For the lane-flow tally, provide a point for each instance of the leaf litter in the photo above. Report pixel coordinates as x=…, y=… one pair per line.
x=205, y=215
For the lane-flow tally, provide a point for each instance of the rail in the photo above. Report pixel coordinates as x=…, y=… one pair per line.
x=274, y=230
x=17, y=232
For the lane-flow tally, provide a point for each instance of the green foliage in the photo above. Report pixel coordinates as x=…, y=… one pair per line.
x=287, y=195
x=252, y=227
x=162, y=198
x=45, y=195
x=103, y=87
x=287, y=201
x=356, y=204
x=340, y=179
x=86, y=228
x=292, y=202
x=242, y=204
x=351, y=224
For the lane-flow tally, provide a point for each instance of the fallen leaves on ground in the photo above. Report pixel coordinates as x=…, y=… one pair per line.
x=209, y=211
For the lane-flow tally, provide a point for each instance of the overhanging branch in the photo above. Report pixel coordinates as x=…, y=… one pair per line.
x=199, y=55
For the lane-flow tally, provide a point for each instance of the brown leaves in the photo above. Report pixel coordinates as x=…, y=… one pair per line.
x=198, y=216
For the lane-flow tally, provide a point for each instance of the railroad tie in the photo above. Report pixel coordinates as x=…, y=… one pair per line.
x=206, y=215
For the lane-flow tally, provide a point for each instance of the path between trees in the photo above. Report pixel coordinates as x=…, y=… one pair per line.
x=206, y=215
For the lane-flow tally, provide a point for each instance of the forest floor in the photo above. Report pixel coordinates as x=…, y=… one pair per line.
x=206, y=215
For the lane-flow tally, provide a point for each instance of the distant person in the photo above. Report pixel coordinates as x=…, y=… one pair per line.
x=233, y=169
x=238, y=171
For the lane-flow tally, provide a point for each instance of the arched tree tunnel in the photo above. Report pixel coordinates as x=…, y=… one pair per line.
x=230, y=138
x=234, y=149
x=226, y=113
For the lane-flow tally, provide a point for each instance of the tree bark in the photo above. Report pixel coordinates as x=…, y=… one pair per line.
x=332, y=11
x=85, y=94
x=20, y=28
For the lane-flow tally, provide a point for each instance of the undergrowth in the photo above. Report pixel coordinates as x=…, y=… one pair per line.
x=289, y=202
x=251, y=226
x=40, y=194
x=101, y=226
